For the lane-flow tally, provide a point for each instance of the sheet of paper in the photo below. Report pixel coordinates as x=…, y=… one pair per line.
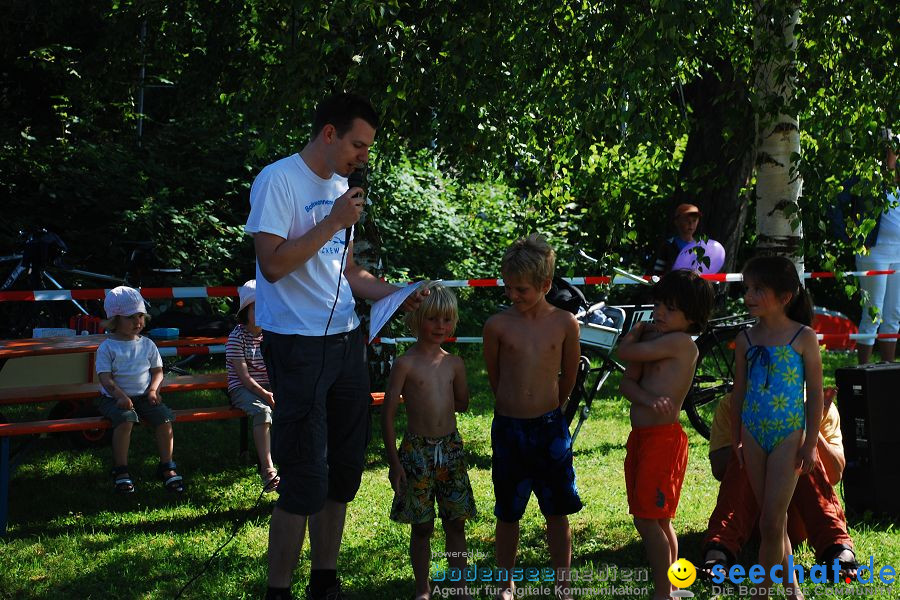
x=384, y=309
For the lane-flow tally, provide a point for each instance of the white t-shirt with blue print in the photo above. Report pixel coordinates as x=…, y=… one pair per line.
x=287, y=199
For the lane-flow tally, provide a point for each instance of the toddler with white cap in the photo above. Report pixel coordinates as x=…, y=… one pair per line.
x=248, y=380
x=130, y=371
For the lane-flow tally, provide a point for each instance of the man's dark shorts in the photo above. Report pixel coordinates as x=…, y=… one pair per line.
x=533, y=455
x=320, y=423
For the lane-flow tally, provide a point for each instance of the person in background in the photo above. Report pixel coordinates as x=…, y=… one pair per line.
x=814, y=514
x=686, y=220
x=880, y=293
x=248, y=381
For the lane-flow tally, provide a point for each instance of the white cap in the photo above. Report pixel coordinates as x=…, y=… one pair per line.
x=124, y=301
x=247, y=294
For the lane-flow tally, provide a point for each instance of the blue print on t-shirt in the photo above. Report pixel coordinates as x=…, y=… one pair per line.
x=334, y=246
x=312, y=205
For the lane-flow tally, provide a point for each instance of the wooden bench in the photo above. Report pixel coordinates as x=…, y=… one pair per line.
x=57, y=393
x=86, y=391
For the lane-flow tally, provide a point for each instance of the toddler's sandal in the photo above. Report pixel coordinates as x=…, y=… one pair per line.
x=122, y=482
x=173, y=483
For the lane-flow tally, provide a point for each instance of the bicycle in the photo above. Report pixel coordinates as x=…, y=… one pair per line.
x=602, y=326
x=42, y=251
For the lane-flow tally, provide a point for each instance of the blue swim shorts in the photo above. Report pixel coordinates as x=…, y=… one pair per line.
x=533, y=455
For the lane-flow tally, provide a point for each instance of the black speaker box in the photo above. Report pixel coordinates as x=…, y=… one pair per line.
x=868, y=401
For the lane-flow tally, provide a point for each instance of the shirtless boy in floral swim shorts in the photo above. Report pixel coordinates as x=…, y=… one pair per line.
x=430, y=463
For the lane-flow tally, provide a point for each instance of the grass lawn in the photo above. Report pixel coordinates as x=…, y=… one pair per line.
x=70, y=536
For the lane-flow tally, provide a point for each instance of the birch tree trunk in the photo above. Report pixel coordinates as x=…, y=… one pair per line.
x=778, y=183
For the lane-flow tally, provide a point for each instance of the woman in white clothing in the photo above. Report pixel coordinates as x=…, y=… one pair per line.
x=881, y=293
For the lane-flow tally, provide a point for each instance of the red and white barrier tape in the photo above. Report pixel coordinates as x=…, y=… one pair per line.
x=828, y=337
x=220, y=349
x=221, y=291
x=188, y=350
x=230, y=291
x=458, y=340
x=839, y=337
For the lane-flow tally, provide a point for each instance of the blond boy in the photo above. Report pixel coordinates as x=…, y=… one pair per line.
x=430, y=464
x=531, y=350
x=662, y=357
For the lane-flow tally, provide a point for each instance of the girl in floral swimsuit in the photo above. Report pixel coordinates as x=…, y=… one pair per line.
x=773, y=361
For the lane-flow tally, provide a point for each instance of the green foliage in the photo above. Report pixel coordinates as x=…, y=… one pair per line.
x=416, y=208
x=570, y=119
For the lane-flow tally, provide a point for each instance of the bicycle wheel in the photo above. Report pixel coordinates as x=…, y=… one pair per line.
x=714, y=377
x=73, y=409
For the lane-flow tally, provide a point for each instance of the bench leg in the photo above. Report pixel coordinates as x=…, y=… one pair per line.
x=245, y=432
x=4, y=484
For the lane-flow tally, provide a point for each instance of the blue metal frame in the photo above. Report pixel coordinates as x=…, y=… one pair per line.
x=4, y=484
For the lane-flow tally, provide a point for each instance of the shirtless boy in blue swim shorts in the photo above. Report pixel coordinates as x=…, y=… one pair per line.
x=532, y=353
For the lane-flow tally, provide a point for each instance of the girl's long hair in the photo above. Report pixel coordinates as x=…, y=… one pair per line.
x=780, y=274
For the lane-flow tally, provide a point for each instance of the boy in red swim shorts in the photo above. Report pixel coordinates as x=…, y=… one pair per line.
x=661, y=358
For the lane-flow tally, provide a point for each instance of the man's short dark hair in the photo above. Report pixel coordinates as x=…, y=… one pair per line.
x=340, y=110
x=688, y=292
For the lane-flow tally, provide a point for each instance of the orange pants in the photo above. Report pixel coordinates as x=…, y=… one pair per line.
x=814, y=513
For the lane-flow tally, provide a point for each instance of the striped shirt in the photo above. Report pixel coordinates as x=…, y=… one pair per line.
x=244, y=346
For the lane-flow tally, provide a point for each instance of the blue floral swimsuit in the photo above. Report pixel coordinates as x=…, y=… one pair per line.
x=773, y=405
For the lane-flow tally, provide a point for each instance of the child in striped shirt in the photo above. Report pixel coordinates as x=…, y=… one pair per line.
x=248, y=381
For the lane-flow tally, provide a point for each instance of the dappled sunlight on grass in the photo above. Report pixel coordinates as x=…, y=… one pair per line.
x=71, y=537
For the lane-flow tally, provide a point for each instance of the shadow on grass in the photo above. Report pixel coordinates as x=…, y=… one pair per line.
x=210, y=521
x=57, y=486
x=67, y=508
x=872, y=521
x=599, y=449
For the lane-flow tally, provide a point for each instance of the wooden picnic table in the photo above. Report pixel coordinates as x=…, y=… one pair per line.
x=70, y=359
x=84, y=343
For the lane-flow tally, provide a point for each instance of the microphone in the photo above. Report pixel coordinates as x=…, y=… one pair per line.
x=356, y=179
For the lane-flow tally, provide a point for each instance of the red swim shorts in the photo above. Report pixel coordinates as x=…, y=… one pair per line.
x=655, y=462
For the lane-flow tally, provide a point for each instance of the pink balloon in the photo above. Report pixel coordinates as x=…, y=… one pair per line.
x=688, y=257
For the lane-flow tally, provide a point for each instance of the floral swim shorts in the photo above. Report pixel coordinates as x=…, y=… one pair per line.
x=435, y=469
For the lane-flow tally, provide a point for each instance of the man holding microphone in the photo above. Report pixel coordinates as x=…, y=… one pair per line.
x=301, y=217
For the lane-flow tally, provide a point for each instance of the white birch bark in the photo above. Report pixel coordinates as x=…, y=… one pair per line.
x=778, y=182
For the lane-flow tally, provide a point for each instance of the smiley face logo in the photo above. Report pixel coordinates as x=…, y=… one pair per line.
x=682, y=573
